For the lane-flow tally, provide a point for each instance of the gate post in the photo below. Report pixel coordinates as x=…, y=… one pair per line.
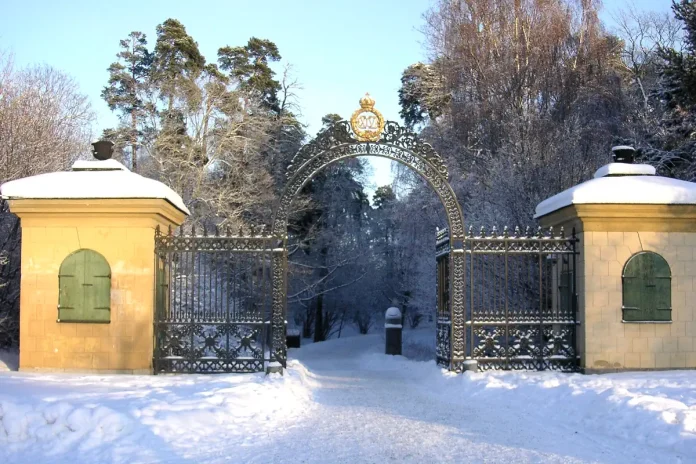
x=280, y=297
x=457, y=286
x=392, y=331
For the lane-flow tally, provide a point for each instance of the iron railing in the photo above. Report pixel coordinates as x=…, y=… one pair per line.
x=213, y=301
x=521, y=308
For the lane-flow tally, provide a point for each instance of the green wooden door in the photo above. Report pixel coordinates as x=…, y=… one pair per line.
x=85, y=288
x=647, y=289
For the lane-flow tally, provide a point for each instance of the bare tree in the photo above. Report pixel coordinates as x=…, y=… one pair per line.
x=45, y=123
x=643, y=33
x=532, y=86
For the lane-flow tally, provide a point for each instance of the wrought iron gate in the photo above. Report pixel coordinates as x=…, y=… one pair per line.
x=521, y=299
x=213, y=301
x=443, y=347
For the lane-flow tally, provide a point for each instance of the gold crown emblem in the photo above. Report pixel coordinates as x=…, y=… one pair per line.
x=367, y=102
x=367, y=123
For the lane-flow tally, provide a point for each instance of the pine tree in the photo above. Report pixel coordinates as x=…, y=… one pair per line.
x=128, y=80
x=177, y=62
x=249, y=64
x=679, y=71
x=330, y=119
x=678, y=92
x=422, y=94
x=383, y=197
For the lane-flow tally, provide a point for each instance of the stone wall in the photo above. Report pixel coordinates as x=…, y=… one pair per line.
x=124, y=344
x=608, y=343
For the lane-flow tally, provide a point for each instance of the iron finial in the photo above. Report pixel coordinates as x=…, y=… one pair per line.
x=623, y=154
x=102, y=149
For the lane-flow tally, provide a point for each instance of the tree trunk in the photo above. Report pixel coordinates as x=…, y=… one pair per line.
x=307, y=324
x=319, y=320
x=134, y=142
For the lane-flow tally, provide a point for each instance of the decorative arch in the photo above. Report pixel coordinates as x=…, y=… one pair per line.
x=344, y=140
x=338, y=142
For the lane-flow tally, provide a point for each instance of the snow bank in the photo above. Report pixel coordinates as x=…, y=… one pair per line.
x=60, y=424
x=653, y=408
x=129, y=419
x=348, y=398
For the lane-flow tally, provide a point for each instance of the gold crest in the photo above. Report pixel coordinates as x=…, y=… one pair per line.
x=367, y=122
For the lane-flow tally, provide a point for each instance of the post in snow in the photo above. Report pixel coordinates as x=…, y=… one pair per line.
x=393, y=328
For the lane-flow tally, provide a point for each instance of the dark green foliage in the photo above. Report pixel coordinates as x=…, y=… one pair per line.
x=128, y=74
x=128, y=80
x=679, y=70
x=677, y=148
x=250, y=64
x=383, y=197
x=10, y=247
x=330, y=119
x=421, y=94
x=177, y=60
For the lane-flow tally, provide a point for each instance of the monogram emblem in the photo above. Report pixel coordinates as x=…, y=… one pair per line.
x=367, y=123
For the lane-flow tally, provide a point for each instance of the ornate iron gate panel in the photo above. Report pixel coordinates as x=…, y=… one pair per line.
x=443, y=346
x=521, y=299
x=213, y=302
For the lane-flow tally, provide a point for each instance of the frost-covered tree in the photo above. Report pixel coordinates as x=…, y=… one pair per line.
x=45, y=124
x=514, y=90
x=221, y=134
x=676, y=150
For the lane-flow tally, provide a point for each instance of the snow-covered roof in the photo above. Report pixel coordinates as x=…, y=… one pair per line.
x=620, y=183
x=623, y=169
x=91, y=180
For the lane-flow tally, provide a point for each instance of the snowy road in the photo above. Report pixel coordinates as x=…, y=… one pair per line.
x=369, y=414
x=344, y=401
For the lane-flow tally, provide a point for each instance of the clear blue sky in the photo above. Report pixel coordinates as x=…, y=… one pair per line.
x=339, y=49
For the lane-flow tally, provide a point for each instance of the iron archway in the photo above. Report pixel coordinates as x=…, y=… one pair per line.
x=374, y=137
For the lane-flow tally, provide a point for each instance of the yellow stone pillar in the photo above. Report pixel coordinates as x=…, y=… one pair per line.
x=102, y=207
x=626, y=211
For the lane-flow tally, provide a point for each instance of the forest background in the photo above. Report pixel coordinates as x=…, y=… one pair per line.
x=522, y=98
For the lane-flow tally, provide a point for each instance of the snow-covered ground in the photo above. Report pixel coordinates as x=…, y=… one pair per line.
x=344, y=401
